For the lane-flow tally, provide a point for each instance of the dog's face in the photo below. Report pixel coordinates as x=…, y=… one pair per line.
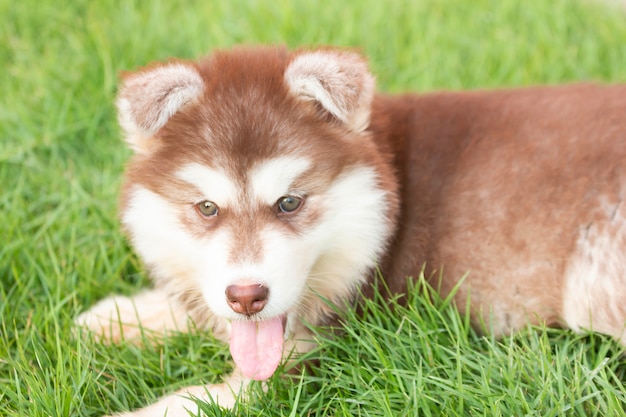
x=256, y=186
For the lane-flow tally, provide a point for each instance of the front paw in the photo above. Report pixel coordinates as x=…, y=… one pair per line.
x=111, y=320
x=116, y=318
x=184, y=402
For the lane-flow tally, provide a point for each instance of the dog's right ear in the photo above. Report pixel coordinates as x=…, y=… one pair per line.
x=339, y=81
x=149, y=97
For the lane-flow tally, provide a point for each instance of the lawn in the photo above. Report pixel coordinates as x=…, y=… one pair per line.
x=61, y=249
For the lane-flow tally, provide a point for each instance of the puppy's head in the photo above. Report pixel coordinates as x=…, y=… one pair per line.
x=256, y=190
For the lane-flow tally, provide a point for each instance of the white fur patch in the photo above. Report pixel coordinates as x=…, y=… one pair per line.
x=595, y=281
x=284, y=279
x=272, y=179
x=214, y=185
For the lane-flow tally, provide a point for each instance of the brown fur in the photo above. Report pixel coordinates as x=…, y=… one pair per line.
x=496, y=181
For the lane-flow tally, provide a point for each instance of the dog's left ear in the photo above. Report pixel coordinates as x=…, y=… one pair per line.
x=338, y=80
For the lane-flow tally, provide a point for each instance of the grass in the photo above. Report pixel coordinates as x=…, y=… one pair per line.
x=61, y=248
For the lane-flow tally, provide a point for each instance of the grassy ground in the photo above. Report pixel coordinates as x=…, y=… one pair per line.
x=61, y=248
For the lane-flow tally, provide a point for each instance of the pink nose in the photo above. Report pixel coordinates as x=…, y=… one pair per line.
x=247, y=299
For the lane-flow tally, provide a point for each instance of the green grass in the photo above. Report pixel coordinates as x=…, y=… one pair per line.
x=61, y=249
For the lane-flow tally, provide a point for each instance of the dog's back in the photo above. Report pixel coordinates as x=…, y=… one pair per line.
x=521, y=191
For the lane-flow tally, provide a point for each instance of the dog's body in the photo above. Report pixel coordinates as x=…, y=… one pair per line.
x=266, y=182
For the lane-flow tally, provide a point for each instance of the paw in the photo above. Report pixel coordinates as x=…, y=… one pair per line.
x=112, y=320
x=127, y=318
x=184, y=402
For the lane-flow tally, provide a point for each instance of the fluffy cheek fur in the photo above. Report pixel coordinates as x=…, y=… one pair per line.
x=160, y=239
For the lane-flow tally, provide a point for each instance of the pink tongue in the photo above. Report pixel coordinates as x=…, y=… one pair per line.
x=257, y=346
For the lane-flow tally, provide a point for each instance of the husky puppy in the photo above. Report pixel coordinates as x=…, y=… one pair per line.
x=266, y=182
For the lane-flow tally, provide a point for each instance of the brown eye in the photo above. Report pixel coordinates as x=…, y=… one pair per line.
x=289, y=203
x=207, y=208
